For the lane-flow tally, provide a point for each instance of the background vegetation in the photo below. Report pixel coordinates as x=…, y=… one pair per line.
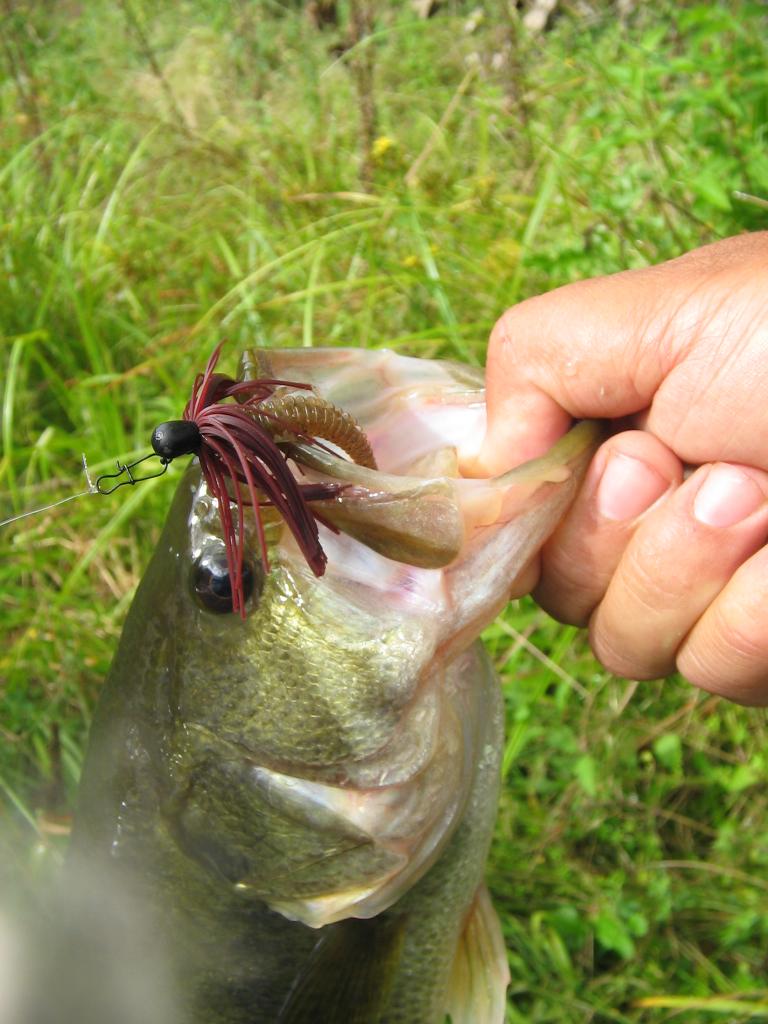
x=171, y=174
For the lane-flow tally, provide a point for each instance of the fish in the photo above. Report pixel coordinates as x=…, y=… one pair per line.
x=303, y=798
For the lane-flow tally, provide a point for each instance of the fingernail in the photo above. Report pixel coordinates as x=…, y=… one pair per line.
x=628, y=487
x=727, y=496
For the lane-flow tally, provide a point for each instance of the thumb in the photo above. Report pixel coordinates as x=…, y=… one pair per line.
x=582, y=350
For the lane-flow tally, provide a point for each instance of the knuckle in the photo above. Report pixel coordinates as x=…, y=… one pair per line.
x=743, y=635
x=500, y=332
x=514, y=328
x=526, y=580
x=630, y=661
x=573, y=611
x=566, y=591
x=727, y=653
x=745, y=683
x=647, y=582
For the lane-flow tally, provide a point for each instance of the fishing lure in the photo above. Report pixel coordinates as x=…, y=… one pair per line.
x=235, y=447
x=241, y=445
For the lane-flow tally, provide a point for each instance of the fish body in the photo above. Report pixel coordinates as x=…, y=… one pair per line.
x=304, y=800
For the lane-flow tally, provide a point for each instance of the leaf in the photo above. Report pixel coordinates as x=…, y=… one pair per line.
x=710, y=189
x=637, y=924
x=586, y=773
x=612, y=934
x=741, y=777
x=568, y=921
x=668, y=750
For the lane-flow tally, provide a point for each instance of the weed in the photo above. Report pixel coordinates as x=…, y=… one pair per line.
x=177, y=174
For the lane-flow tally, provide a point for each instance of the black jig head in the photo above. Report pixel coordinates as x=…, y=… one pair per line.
x=175, y=438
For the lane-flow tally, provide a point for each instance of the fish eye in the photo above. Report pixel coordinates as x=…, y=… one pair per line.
x=212, y=586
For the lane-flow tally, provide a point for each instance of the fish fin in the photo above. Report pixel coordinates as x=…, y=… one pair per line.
x=348, y=977
x=480, y=974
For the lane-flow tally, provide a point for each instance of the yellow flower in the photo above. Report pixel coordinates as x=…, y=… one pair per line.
x=381, y=146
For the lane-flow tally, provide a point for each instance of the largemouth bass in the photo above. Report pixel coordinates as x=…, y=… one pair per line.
x=305, y=798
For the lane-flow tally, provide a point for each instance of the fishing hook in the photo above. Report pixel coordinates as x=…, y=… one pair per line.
x=124, y=468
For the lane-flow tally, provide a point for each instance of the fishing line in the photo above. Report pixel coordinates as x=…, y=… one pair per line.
x=91, y=489
x=44, y=508
x=98, y=486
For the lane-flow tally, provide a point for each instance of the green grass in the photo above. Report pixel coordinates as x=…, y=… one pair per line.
x=136, y=230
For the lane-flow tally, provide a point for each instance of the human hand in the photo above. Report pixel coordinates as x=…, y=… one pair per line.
x=668, y=572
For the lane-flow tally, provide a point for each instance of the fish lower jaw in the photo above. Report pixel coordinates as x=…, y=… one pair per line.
x=318, y=911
